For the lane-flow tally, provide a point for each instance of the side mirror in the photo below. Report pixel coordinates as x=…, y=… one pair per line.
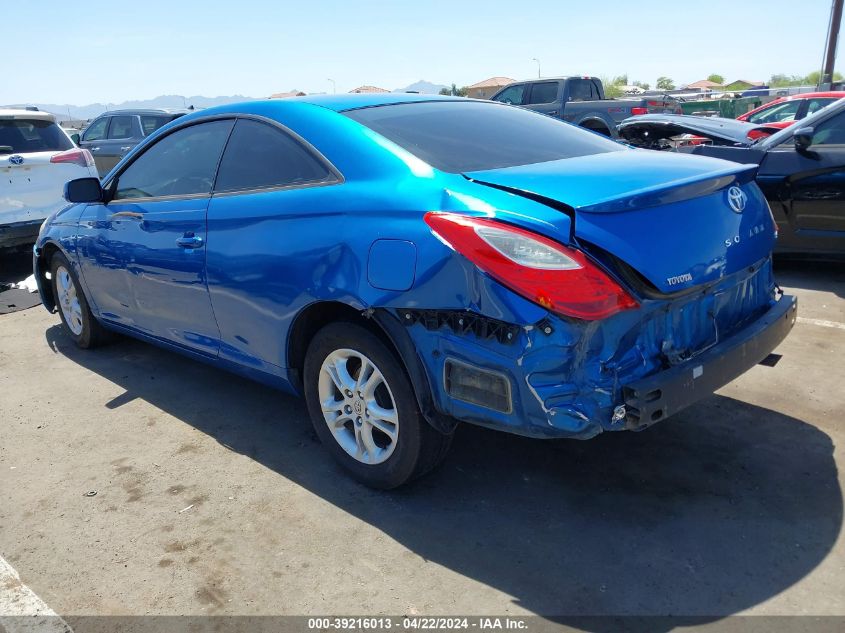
x=84, y=190
x=75, y=138
x=803, y=138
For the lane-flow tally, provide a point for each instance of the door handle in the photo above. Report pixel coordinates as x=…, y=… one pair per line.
x=126, y=149
x=190, y=241
x=127, y=214
x=95, y=149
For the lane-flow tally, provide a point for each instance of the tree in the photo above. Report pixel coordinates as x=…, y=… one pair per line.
x=454, y=91
x=642, y=84
x=716, y=79
x=621, y=80
x=811, y=79
x=611, y=89
x=815, y=78
x=665, y=83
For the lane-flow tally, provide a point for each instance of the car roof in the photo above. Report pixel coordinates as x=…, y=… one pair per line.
x=837, y=94
x=149, y=111
x=340, y=103
x=18, y=113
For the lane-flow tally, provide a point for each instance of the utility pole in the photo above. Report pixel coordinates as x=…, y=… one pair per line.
x=534, y=59
x=832, y=40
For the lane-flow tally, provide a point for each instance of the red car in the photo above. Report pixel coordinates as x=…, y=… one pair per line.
x=785, y=111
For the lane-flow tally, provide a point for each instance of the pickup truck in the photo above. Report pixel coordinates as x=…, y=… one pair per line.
x=581, y=100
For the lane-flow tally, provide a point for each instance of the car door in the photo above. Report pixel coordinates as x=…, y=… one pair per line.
x=93, y=138
x=809, y=186
x=544, y=97
x=142, y=253
x=123, y=134
x=263, y=242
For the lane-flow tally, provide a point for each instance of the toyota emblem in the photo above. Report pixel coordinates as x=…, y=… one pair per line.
x=737, y=199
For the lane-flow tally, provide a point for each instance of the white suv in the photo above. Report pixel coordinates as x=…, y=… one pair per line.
x=37, y=158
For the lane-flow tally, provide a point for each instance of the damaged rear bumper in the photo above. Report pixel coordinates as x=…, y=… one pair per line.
x=660, y=395
x=568, y=379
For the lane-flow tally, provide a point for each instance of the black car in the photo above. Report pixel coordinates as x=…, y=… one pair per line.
x=112, y=134
x=801, y=168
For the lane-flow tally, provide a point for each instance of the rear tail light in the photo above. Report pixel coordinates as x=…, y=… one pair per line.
x=638, y=111
x=554, y=276
x=76, y=156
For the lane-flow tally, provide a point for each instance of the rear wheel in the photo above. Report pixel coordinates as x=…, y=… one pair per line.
x=364, y=410
x=76, y=316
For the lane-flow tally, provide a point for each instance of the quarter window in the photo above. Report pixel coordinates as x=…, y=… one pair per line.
x=260, y=156
x=120, y=127
x=97, y=130
x=182, y=163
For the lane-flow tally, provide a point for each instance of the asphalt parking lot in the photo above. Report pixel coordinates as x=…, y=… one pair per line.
x=214, y=497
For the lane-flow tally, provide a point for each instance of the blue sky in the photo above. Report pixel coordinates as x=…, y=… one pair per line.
x=98, y=51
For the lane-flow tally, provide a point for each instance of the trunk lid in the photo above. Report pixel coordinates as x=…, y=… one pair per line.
x=667, y=216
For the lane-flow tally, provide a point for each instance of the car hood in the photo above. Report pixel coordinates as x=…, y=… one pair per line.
x=657, y=126
x=665, y=215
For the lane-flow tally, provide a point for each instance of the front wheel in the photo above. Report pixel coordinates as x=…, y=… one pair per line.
x=364, y=410
x=75, y=313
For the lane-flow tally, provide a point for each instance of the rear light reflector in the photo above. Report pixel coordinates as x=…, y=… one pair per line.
x=559, y=278
x=482, y=387
x=76, y=156
x=638, y=111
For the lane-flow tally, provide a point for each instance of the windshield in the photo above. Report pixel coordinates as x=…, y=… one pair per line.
x=21, y=136
x=462, y=136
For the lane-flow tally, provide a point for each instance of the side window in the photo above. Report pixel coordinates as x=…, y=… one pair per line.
x=512, y=95
x=545, y=92
x=814, y=105
x=120, y=127
x=259, y=156
x=594, y=90
x=151, y=122
x=182, y=163
x=97, y=130
x=777, y=114
x=830, y=132
x=580, y=90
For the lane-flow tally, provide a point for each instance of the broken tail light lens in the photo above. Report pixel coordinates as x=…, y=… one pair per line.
x=559, y=278
x=76, y=156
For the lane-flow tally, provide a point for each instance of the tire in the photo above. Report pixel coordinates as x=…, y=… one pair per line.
x=378, y=433
x=79, y=323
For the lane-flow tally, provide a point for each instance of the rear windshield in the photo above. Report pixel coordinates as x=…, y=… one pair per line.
x=151, y=122
x=461, y=136
x=20, y=136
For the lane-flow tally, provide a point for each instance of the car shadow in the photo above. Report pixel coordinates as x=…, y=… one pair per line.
x=709, y=514
x=811, y=275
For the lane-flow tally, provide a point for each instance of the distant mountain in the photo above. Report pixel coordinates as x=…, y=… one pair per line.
x=164, y=101
x=423, y=87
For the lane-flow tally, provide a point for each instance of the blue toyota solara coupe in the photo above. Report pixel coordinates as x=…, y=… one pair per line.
x=410, y=262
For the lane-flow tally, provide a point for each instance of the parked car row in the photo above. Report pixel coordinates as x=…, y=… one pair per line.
x=801, y=169
x=581, y=101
